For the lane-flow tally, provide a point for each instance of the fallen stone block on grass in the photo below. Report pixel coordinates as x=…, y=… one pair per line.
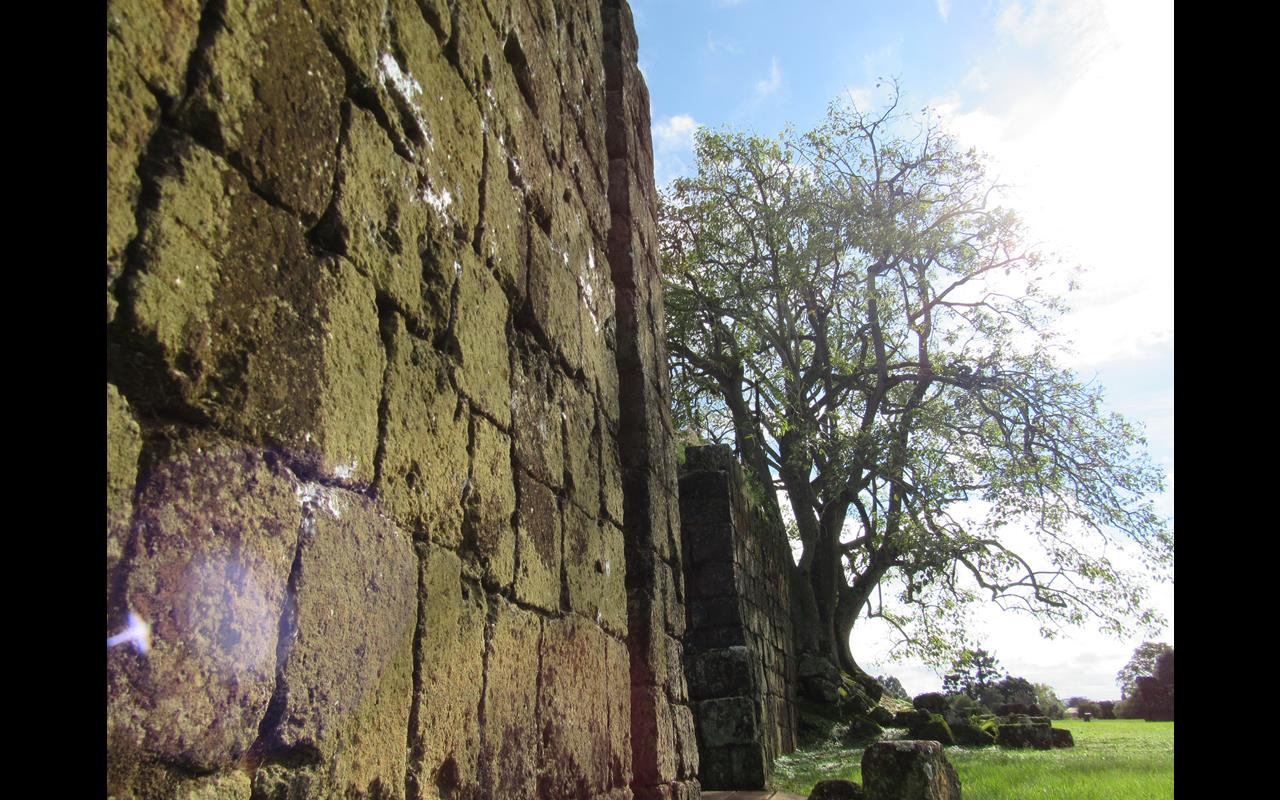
x=908, y=770
x=837, y=790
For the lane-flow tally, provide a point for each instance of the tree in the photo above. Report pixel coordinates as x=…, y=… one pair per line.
x=1008, y=689
x=1048, y=701
x=893, y=687
x=971, y=673
x=853, y=312
x=1141, y=664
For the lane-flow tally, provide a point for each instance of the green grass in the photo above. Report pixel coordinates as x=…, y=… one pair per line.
x=1113, y=760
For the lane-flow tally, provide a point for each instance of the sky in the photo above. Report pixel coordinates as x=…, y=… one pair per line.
x=1073, y=103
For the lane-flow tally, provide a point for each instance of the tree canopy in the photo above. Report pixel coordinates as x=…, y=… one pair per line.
x=1143, y=663
x=971, y=672
x=852, y=309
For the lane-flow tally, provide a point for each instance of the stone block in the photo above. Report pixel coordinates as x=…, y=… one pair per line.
x=355, y=29
x=538, y=538
x=719, y=673
x=424, y=456
x=266, y=94
x=346, y=678
x=439, y=116
x=445, y=744
x=504, y=235
x=488, y=539
x=236, y=321
x=686, y=741
x=836, y=790
x=124, y=445
x=725, y=721
x=217, y=531
x=536, y=413
x=908, y=770
x=509, y=750
x=618, y=703
x=574, y=758
x=485, y=373
x=132, y=114
x=595, y=569
x=379, y=221
x=652, y=736
x=552, y=307
x=156, y=38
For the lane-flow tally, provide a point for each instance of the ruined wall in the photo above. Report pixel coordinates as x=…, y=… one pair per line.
x=389, y=469
x=739, y=650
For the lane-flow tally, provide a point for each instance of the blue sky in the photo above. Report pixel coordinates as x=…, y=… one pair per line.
x=1072, y=100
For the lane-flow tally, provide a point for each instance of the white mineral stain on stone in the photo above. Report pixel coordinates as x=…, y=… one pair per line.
x=407, y=87
x=440, y=202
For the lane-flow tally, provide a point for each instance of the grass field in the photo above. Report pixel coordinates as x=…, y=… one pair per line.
x=1113, y=760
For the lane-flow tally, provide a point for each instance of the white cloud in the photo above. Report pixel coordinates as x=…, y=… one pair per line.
x=769, y=85
x=674, y=133
x=673, y=147
x=1077, y=110
x=715, y=46
x=860, y=96
x=944, y=9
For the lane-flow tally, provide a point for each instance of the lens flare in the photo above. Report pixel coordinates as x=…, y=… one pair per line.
x=138, y=632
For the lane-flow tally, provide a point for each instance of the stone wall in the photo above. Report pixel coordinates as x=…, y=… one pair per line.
x=739, y=649
x=389, y=462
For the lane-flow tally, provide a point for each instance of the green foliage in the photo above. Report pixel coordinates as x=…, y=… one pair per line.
x=893, y=687
x=1008, y=689
x=965, y=705
x=1088, y=707
x=1142, y=663
x=971, y=673
x=1111, y=760
x=851, y=309
x=1048, y=701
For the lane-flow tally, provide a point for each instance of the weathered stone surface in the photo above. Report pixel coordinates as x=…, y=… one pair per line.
x=490, y=502
x=537, y=545
x=131, y=118
x=908, y=770
x=266, y=93
x=124, y=444
x=582, y=448
x=439, y=115
x=156, y=38
x=972, y=734
x=1062, y=737
x=729, y=720
x=1021, y=732
x=424, y=444
x=485, y=376
x=445, y=740
x=536, y=412
x=881, y=715
x=504, y=236
x=837, y=790
x=379, y=220
x=347, y=676
x=237, y=321
x=618, y=704
x=719, y=673
x=652, y=736
x=574, y=759
x=552, y=307
x=935, y=728
x=217, y=528
x=932, y=702
x=595, y=569
x=233, y=785
x=509, y=749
